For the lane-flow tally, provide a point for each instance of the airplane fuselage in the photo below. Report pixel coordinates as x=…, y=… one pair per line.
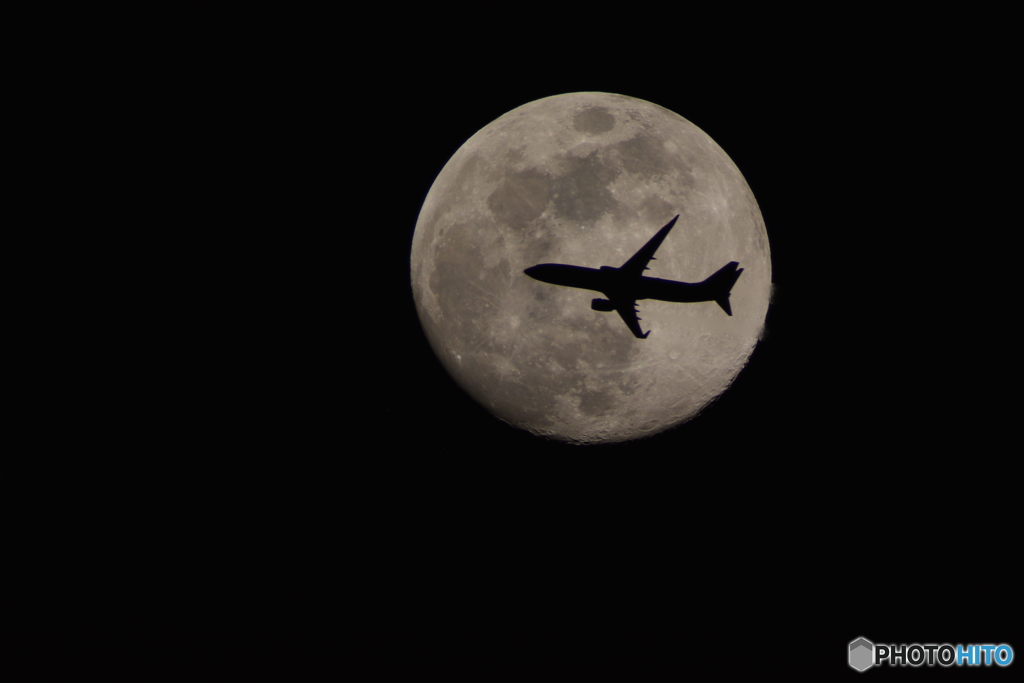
x=617, y=285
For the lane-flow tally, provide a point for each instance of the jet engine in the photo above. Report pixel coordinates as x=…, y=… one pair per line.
x=602, y=305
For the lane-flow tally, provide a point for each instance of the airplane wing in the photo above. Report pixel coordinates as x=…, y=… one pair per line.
x=627, y=310
x=638, y=263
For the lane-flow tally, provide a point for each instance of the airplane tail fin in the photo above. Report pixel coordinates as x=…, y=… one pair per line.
x=721, y=284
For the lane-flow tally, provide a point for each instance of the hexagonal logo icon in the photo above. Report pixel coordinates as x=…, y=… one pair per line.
x=862, y=654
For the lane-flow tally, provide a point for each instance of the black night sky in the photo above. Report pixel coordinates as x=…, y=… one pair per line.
x=307, y=459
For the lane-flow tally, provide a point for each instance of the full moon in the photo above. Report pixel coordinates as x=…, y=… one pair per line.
x=587, y=179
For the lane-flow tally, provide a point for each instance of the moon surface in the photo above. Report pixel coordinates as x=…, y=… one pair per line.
x=587, y=179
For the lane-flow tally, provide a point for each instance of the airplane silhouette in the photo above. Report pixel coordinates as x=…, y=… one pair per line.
x=626, y=285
